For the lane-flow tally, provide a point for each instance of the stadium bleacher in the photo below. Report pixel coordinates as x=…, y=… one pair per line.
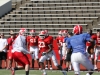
x=52, y=14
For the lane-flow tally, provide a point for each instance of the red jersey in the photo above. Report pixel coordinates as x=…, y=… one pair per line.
x=89, y=43
x=60, y=40
x=97, y=39
x=50, y=39
x=32, y=41
x=10, y=42
x=43, y=44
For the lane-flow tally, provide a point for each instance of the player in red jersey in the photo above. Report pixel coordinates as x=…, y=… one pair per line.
x=48, y=61
x=45, y=48
x=32, y=41
x=10, y=42
x=60, y=42
x=90, y=47
x=97, y=48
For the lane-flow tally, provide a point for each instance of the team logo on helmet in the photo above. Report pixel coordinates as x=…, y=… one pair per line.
x=77, y=29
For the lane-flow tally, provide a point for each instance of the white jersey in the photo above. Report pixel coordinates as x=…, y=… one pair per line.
x=3, y=43
x=19, y=44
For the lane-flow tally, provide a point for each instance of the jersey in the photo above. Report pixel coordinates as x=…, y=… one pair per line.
x=10, y=43
x=78, y=42
x=60, y=40
x=97, y=39
x=32, y=41
x=89, y=43
x=3, y=43
x=43, y=44
x=19, y=44
x=50, y=39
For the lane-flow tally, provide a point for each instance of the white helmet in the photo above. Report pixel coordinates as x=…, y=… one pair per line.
x=42, y=34
x=22, y=31
x=32, y=32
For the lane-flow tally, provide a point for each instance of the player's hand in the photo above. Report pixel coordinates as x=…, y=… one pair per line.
x=44, y=53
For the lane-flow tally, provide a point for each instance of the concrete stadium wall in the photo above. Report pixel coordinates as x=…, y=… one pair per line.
x=5, y=7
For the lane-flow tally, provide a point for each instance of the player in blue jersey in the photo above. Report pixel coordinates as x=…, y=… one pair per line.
x=78, y=44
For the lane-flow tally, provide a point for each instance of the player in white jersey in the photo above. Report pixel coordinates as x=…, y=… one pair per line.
x=3, y=50
x=19, y=50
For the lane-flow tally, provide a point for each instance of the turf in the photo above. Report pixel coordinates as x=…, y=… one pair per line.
x=38, y=72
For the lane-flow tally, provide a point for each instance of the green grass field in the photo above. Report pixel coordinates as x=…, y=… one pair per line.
x=38, y=72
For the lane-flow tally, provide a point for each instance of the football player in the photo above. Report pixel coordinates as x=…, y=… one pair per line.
x=97, y=48
x=79, y=56
x=59, y=43
x=45, y=48
x=48, y=61
x=32, y=42
x=19, y=50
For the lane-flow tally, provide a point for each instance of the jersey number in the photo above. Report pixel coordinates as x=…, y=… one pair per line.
x=32, y=40
x=41, y=44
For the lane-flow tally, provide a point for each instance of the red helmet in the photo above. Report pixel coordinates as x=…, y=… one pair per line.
x=42, y=34
x=32, y=32
x=77, y=29
x=22, y=31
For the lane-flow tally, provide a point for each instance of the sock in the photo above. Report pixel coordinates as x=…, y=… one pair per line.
x=44, y=72
x=87, y=74
x=27, y=72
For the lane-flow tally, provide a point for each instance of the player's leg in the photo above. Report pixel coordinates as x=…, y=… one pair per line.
x=61, y=55
x=75, y=63
x=86, y=63
x=41, y=61
x=37, y=56
x=5, y=59
x=52, y=55
x=10, y=59
x=68, y=62
x=0, y=60
x=22, y=60
x=32, y=56
x=92, y=58
x=46, y=64
x=50, y=63
x=96, y=58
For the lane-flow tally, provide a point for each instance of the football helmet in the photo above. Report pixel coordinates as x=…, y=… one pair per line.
x=77, y=29
x=23, y=31
x=42, y=34
x=32, y=32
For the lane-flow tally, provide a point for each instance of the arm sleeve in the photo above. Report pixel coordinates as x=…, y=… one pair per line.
x=87, y=37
